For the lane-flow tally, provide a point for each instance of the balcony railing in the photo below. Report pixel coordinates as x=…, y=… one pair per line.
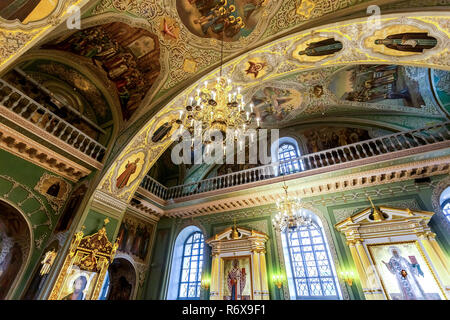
x=41, y=117
x=393, y=145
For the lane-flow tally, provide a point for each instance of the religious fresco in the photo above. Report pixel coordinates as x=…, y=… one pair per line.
x=55, y=189
x=128, y=56
x=237, y=278
x=15, y=241
x=440, y=81
x=273, y=104
x=401, y=40
x=323, y=138
x=134, y=238
x=385, y=84
x=405, y=273
x=230, y=19
x=129, y=170
x=315, y=48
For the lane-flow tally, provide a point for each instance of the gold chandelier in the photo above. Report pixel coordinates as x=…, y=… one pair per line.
x=217, y=106
x=290, y=213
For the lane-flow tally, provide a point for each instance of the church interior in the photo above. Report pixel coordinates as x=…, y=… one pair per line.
x=336, y=185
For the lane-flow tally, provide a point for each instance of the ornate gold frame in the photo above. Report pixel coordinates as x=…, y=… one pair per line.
x=92, y=253
x=421, y=253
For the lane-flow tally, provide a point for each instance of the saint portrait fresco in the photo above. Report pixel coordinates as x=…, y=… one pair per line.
x=273, y=104
x=237, y=279
x=386, y=84
x=323, y=138
x=129, y=57
x=230, y=19
x=129, y=170
x=322, y=48
x=55, y=189
x=134, y=238
x=408, y=41
x=404, y=273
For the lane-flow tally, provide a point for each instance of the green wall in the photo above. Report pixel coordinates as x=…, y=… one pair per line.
x=405, y=194
x=18, y=178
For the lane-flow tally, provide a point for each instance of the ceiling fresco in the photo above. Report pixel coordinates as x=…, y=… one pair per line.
x=230, y=19
x=128, y=56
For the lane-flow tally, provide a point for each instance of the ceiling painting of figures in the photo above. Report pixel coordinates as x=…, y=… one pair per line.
x=390, y=84
x=230, y=19
x=128, y=56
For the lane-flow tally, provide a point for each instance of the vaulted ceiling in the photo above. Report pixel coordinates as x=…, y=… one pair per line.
x=148, y=54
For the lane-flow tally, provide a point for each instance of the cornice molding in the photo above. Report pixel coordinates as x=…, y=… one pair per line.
x=230, y=200
x=108, y=204
x=29, y=150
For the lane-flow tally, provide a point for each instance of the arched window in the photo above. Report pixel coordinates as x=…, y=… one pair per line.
x=444, y=201
x=288, y=151
x=309, y=267
x=191, y=268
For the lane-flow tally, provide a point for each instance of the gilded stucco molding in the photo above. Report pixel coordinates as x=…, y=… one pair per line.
x=16, y=38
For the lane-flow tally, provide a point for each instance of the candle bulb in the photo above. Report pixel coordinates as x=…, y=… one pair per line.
x=206, y=84
x=190, y=100
x=251, y=107
x=181, y=114
x=229, y=97
x=239, y=90
x=248, y=114
x=213, y=94
x=198, y=92
x=257, y=121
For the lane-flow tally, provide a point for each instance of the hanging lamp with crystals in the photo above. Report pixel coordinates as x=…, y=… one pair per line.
x=291, y=215
x=219, y=106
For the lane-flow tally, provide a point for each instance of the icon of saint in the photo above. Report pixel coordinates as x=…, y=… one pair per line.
x=78, y=286
x=123, y=178
x=236, y=281
x=406, y=274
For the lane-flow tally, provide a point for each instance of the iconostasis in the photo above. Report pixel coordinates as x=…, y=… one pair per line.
x=396, y=254
x=238, y=269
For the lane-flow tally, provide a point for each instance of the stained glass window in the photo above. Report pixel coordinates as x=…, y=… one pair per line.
x=191, y=267
x=446, y=209
x=312, y=274
x=287, y=151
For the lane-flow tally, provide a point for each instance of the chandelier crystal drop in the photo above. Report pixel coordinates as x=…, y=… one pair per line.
x=220, y=107
x=290, y=214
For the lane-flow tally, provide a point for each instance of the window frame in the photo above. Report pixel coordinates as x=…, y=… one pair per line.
x=290, y=254
x=445, y=203
x=198, y=270
x=289, y=167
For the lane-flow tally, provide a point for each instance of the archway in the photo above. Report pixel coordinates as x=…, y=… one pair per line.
x=122, y=280
x=15, y=241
